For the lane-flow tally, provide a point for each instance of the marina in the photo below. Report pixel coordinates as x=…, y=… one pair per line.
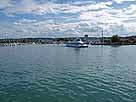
x=67, y=50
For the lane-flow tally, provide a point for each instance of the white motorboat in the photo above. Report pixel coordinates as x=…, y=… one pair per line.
x=77, y=43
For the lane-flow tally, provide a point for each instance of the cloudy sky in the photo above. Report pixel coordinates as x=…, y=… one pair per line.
x=61, y=18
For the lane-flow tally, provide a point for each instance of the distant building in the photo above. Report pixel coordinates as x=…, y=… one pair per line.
x=86, y=39
x=95, y=41
x=86, y=36
x=46, y=41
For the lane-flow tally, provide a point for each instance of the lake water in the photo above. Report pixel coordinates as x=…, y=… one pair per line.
x=55, y=73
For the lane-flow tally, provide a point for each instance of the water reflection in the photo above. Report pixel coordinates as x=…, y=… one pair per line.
x=77, y=50
x=115, y=45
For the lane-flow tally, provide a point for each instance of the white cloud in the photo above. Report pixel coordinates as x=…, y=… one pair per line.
x=89, y=18
x=45, y=28
x=5, y=3
x=102, y=16
x=121, y=1
x=31, y=6
x=25, y=21
x=131, y=10
x=34, y=7
x=113, y=21
x=67, y=8
x=102, y=5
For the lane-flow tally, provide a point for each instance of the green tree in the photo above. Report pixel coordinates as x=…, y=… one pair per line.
x=115, y=38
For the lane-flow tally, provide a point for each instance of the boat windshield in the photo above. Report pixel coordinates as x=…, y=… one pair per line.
x=78, y=40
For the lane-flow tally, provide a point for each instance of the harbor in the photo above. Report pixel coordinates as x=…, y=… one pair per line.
x=67, y=50
x=114, y=40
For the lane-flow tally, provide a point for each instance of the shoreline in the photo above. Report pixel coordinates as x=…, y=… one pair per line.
x=19, y=44
x=114, y=40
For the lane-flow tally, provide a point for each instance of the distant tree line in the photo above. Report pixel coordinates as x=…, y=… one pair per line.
x=115, y=39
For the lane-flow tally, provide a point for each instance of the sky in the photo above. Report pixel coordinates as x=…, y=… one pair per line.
x=66, y=18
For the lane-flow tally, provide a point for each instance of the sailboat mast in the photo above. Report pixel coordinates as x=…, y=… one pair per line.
x=102, y=37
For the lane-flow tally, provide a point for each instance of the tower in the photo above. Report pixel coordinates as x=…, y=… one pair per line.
x=86, y=38
x=102, y=41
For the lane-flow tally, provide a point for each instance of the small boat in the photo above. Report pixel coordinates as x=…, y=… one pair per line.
x=77, y=43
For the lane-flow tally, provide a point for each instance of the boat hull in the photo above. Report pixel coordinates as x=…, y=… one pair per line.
x=77, y=46
x=77, y=43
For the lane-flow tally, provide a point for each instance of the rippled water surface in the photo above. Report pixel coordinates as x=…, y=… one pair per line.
x=54, y=73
